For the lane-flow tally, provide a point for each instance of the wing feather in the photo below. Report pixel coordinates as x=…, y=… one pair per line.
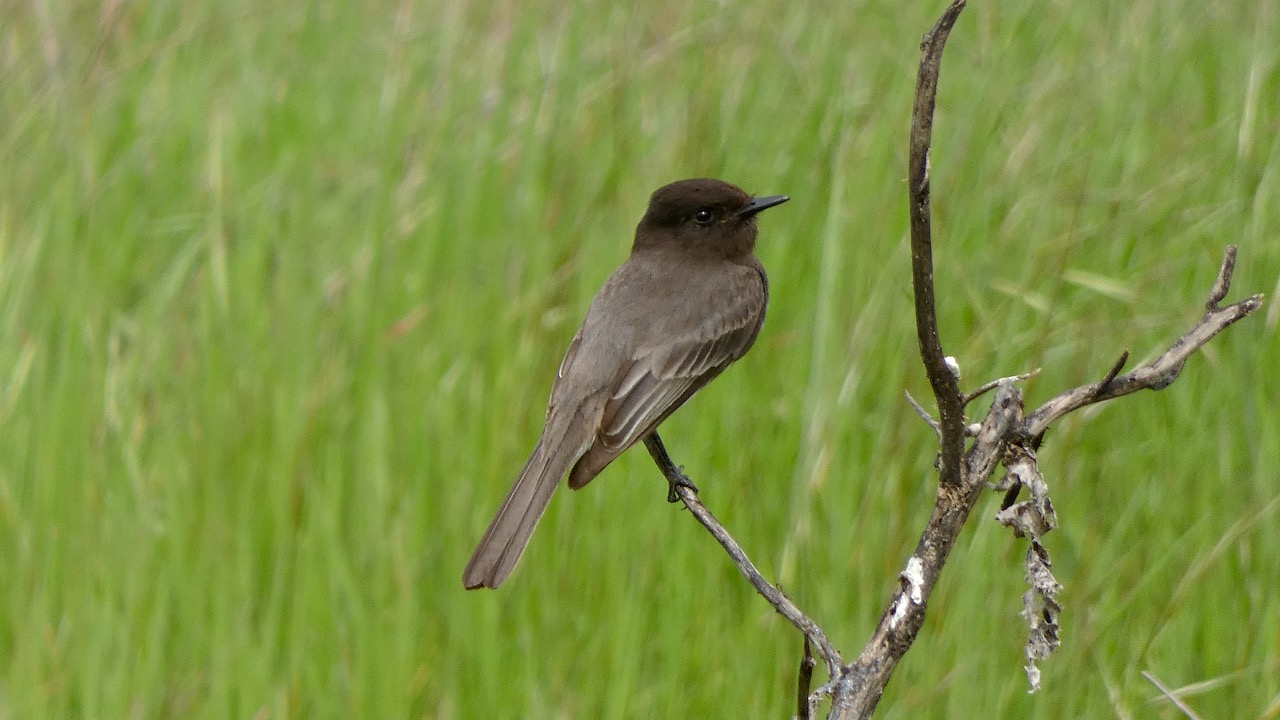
x=635, y=409
x=660, y=379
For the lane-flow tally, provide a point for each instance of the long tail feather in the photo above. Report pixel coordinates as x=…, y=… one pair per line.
x=508, y=535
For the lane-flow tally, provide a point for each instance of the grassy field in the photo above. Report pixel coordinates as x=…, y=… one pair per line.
x=283, y=288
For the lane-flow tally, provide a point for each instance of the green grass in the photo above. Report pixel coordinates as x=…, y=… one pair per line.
x=282, y=291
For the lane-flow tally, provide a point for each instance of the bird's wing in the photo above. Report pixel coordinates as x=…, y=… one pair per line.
x=658, y=379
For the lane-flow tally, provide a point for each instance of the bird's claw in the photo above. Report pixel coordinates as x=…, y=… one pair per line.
x=681, y=481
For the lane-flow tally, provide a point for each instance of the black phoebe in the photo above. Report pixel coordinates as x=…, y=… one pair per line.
x=687, y=303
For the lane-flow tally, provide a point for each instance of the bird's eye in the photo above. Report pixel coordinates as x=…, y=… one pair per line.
x=704, y=217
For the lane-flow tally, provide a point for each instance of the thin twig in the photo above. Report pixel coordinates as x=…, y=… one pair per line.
x=1177, y=701
x=1223, y=283
x=988, y=387
x=1114, y=371
x=689, y=495
x=823, y=692
x=924, y=414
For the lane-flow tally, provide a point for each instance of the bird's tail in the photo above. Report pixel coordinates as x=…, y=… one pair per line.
x=508, y=535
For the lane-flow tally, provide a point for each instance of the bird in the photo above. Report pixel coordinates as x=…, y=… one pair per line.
x=688, y=302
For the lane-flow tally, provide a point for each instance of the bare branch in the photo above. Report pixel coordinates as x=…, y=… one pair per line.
x=1159, y=373
x=988, y=387
x=688, y=494
x=924, y=414
x=946, y=387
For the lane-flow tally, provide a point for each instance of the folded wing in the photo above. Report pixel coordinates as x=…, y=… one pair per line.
x=657, y=380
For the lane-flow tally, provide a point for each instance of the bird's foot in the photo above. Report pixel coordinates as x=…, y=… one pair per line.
x=681, y=480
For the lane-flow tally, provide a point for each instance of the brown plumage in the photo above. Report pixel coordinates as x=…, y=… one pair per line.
x=688, y=302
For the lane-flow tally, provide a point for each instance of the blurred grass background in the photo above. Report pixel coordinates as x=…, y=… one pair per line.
x=283, y=288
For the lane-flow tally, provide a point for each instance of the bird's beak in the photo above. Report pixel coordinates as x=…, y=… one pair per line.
x=761, y=203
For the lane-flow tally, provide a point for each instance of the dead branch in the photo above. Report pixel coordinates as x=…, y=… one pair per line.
x=1159, y=373
x=946, y=386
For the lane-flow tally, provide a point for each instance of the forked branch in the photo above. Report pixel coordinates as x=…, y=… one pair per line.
x=1159, y=373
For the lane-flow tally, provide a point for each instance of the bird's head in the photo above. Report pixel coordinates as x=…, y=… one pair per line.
x=704, y=216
